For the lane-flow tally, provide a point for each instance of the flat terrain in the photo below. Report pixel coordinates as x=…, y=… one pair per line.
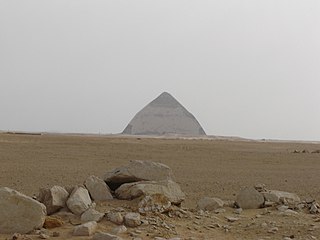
x=213, y=168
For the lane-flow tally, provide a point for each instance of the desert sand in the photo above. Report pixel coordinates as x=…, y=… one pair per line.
x=212, y=168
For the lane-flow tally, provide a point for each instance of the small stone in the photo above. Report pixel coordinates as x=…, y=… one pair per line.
x=91, y=215
x=132, y=219
x=105, y=236
x=86, y=229
x=209, y=204
x=115, y=217
x=119, y=229
x=232, y=219
x=273, y=230
x=44, y=236
x=52, y=222
x=238, y=211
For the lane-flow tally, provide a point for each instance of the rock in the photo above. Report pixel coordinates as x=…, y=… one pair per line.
x=138, y=171
x=86, y=229
x=273, y=230
x=119, y=229
x=238, y=211
x=52, y=222
x=79, y=200
x=53, y=198
x=115, y=217
x=44, y=236
x=167, y=188
x=156, y=203
x=98, y=189
x=132, y=219
x=249, y=198
x=280, y=196
x=209, y=204
x=105, y=236
x=19, y=213
x=232, y=219
x=91, y=215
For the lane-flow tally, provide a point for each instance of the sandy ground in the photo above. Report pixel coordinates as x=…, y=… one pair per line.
x=213, y=168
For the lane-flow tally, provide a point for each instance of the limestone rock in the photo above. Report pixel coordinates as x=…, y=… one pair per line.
x=115, y=217
x=167, y=188
x=249, y=198
x=53, y=198
x=19, y=213
x=132, y=219
x=164, y=115
x=209, y=204
x=79, y=200
x=138, y=171
x=156, y=203
x=279, y=196
x=91, y=215
x=105, y=236
x=98, y=189
x=86, y=229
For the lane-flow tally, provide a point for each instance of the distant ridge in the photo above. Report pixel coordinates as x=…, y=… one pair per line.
x=164, y=115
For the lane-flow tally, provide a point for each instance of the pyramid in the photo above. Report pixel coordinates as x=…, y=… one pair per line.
x=164, y=115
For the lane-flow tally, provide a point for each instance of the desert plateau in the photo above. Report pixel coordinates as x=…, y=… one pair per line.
x=213, y=168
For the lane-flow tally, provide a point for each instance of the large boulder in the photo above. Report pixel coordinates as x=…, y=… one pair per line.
x=279, y=196
x=53, y=198
x=19, y=213
x=209, y=204
x=249, y=198
x=167, y=188
x=79, y=200
x=138, y=171
x=98, y=189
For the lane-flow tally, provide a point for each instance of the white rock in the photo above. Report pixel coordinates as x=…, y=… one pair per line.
x=105, y=236
x=249, y=198
x=138, y=171
x=115, y=217
x=119, y=229
x=209, y=204
x=19, y=213
x=167, y=188
x=53, y=198
x=98, y=189
x=79, y=200
x=86, y=229
x=91, y=215
x=132, y=219
x=278, y=196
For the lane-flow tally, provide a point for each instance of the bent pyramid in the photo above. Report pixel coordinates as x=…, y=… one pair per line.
x=164, y=115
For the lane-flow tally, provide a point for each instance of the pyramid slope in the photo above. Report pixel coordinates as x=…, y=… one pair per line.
x=164, y=115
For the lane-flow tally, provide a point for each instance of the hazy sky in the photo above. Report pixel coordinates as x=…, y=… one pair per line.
x=247, y=68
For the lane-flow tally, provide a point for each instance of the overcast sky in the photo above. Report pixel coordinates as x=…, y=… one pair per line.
x=245, y=68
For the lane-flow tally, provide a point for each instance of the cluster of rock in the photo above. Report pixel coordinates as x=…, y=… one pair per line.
x=259, y=197
x=156, y=198
x=306, y=151
x=151, y=183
